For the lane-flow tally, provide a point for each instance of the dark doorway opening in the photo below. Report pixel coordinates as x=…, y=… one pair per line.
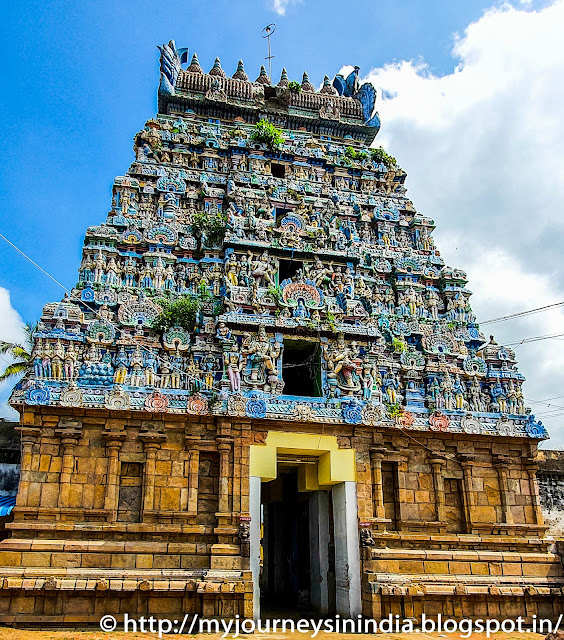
x=301, y=368
x=285, y=582
x=278, y=170
x=288, y=269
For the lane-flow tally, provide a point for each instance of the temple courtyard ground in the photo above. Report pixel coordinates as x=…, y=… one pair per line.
x=22, y=634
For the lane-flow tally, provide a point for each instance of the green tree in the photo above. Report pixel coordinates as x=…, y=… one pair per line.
x=20, y=352
x=182, y=312
x=381, y=156
x=295, y=87
x=265, y=132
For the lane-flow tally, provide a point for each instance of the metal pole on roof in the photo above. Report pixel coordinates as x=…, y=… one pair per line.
x=266, y=33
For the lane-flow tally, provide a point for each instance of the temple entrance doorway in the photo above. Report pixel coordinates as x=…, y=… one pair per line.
x=304, y=540
x=297, y=545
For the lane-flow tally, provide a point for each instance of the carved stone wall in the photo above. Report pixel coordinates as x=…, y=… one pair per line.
x=145, y=513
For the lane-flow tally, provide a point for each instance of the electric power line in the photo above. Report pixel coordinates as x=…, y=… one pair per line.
x=523, y=313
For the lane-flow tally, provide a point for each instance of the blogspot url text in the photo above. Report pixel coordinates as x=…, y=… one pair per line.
x=237, y=626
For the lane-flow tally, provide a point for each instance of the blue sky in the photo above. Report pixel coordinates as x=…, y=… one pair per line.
x=474, y=116
x=80, y=80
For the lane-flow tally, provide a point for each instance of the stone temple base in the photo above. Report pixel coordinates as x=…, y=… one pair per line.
x=78, y=581
x=161, y=516
x=462, y=577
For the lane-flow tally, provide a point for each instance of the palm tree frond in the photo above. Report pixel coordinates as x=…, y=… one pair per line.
x=6, y=347
x=14, y=369
x=20, y=352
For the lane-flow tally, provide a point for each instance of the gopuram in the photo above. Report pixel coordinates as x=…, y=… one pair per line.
x=268, y=390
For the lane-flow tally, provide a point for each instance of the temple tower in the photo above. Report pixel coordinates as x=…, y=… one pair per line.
x=267, y=385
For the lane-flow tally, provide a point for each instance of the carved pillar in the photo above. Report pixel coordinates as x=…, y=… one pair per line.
x=70, y=434
x=437, y=464
x=114, y=441
x=531, y=467
x=376, y=456
x=500, y=463
x=466, y=462
x=193, y=462
x=151, y=443
x=29, y=436
x=402, y=470
x=224, y=447
x=246, y=440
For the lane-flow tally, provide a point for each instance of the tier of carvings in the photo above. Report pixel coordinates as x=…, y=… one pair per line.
x=309, y=241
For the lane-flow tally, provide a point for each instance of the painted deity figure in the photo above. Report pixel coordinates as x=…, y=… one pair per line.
x=129, y=271
x=70, y=362
x=475, y=396
x=112, y=271
x=158, y=274
x=447, y=391
x=150, y=368
x=223, y=332
x=459, y=389
x=433, y=304
x=342, y=365
x=176, y=369
x=233, y=366
x=99, y=267
x=194, y=374
x=411, y=300
x=38, y=359
x=391, y=386
x=435, y=394
x=262, y=270
x=499, y=396
x=209, y=368
x=170, y=281
x=137, y=377
x=320, y=275
x=368, y=380
x=216, y=276
x=120, y=362
x=262, y=356
x=165, y=381
x=46, y=361
x=511, y=398
x=300, y=311
x=231, y=268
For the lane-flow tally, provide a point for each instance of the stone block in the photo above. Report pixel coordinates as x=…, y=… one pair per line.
x=65, y=560
x=144, y=561
x=95, y=560
x=166, y=561
x=35, y=559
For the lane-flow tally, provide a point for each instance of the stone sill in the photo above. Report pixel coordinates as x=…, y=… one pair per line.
x=465, y=539
x=113, y=527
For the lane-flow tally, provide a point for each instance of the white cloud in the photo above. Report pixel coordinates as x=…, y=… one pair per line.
x=11, y=330
x=280, y=6
x=482, y=147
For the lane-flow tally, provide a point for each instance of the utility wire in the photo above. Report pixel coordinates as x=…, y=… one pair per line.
x=307, y=361
x=34, y=263
x=171, y=365
x=518, y=343
x=523, y=313
x=96, y=313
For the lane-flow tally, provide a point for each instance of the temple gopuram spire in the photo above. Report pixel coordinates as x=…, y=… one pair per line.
x=265, y=351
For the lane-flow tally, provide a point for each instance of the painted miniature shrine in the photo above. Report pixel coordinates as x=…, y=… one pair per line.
x=267, y=386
